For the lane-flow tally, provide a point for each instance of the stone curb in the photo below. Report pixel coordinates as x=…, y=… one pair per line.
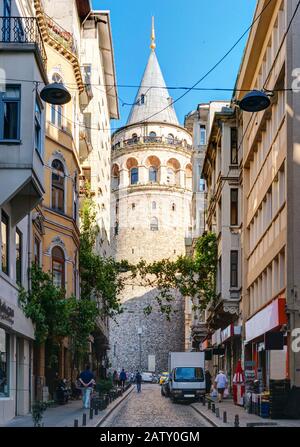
x=208, y=419
x=109, y=410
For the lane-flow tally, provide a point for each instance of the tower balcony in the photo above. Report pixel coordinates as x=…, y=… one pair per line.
x=22, y=34
x=151, y=140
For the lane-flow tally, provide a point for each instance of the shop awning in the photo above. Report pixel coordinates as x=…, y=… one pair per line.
x=269, y=318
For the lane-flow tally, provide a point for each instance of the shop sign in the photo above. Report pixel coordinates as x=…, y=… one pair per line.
x=216, y=338
x=6, y=313
x=267, y=319
x=227, y=333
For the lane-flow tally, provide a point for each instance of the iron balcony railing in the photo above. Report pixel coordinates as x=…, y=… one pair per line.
x=22, y=30
x=150, y=139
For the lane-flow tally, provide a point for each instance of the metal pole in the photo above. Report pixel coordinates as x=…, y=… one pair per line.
x=140, y=342
x=75, y=422
x=84, y=419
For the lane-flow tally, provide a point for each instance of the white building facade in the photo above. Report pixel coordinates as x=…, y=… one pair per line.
x=22, y=59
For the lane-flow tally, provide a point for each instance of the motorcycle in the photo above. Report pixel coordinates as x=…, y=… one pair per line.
x=63, y=392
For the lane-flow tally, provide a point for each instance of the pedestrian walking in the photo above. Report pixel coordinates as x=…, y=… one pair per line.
x=123, y=378
x=207, y=381
x=138, y=380
x=221, y=383
x=87, y=380
x=115, y=377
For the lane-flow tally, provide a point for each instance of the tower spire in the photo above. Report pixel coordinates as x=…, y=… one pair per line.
x=153, y=44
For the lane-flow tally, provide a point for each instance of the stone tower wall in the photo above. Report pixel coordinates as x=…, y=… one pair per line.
x=134, y=336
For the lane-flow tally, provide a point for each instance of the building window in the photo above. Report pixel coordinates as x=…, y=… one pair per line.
x=173, y=207
x=133, y=206
x=234, y=268
x=152, y=174
x=202, y=134
x=152, y=135
x=134, y=176
x=170, y=138
x=4, y=363
x=116, y=228
x=154, y=224
x=4, y=243
x=57, y=110
x=10, y=102
x=36, y=251
x=202, y=185
x=58, y=267
x=154, y=205
x=233, y=146
x=134, y=138
x=234, y=206
x=171, y=176
x=19, y=248
x=58, y=186
x=38, y=127
x=142, y=99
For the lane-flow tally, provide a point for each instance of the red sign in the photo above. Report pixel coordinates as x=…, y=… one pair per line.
x=271, y=317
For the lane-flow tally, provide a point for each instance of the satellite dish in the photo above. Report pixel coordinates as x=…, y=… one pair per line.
x=55, y=93
x=255, y=101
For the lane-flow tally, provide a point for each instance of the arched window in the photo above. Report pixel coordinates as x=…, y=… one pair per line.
x=57, y=110
x=154, y=205
x=115, y=176
x=134, y=138
x=134, y=176
x=152, y=135
x=170, y=138
x=152, y=174
x=154, y=224
x=58, y=186
x=58, y=267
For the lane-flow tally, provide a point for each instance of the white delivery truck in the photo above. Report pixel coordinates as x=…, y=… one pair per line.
x=187, y=375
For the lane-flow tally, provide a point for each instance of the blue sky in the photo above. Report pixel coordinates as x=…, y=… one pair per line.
x=191, y=36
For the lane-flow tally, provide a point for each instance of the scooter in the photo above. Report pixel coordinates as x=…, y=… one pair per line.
x=62, y=392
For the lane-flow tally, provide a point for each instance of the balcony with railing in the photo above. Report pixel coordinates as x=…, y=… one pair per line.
x=17, y=33
x=61, y=35
x=149, y=139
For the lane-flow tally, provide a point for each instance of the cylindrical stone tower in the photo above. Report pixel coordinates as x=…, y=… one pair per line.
x=151, y=217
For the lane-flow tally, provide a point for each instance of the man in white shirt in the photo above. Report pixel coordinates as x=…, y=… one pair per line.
x=221, y=383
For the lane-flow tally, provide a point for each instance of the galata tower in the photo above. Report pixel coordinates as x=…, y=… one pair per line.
x=151, y=217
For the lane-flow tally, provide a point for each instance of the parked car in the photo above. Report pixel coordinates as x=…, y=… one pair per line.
x=147, y=377
x=163, y=377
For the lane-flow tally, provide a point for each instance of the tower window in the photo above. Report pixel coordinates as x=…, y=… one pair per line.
x=173, y=207
x=152, y=174
x=154, y=224
x=134, y=176
x=142, y=99
x=154, y=205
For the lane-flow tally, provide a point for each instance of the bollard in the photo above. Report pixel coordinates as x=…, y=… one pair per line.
x=84, y=420
x=75, y=422
x=217, y=412
x=96, y=411
x=209, y=405
x=91, y=413
x=213, y=407
x=203, y=401
x=225, y=417
x=236, y=420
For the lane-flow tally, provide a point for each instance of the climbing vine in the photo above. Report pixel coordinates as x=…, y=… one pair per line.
x=192, y=276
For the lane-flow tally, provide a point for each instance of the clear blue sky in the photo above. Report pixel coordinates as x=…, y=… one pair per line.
x=190, y=38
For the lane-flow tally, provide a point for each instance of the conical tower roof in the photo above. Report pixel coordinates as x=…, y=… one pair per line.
x=153, y=97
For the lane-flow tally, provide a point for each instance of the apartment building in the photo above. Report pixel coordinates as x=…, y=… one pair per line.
x=270, y=169
x=223, y=217
x=94, y=104
x=22, y=59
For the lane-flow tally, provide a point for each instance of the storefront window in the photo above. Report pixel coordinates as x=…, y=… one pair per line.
x=4, y=358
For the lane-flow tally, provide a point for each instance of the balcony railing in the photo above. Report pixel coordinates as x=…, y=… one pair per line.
x=61, y=35
x=22, y=30
x=152, y=140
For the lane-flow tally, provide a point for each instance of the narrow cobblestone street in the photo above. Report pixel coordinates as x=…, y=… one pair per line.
x=150, y=409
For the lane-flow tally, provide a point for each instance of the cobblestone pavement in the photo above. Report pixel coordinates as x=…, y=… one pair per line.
x=150, y=409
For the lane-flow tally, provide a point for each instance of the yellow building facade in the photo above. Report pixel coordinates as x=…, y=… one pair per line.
x=55, y=239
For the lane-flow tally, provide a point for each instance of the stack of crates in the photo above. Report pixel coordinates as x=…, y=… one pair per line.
x=279, y=390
